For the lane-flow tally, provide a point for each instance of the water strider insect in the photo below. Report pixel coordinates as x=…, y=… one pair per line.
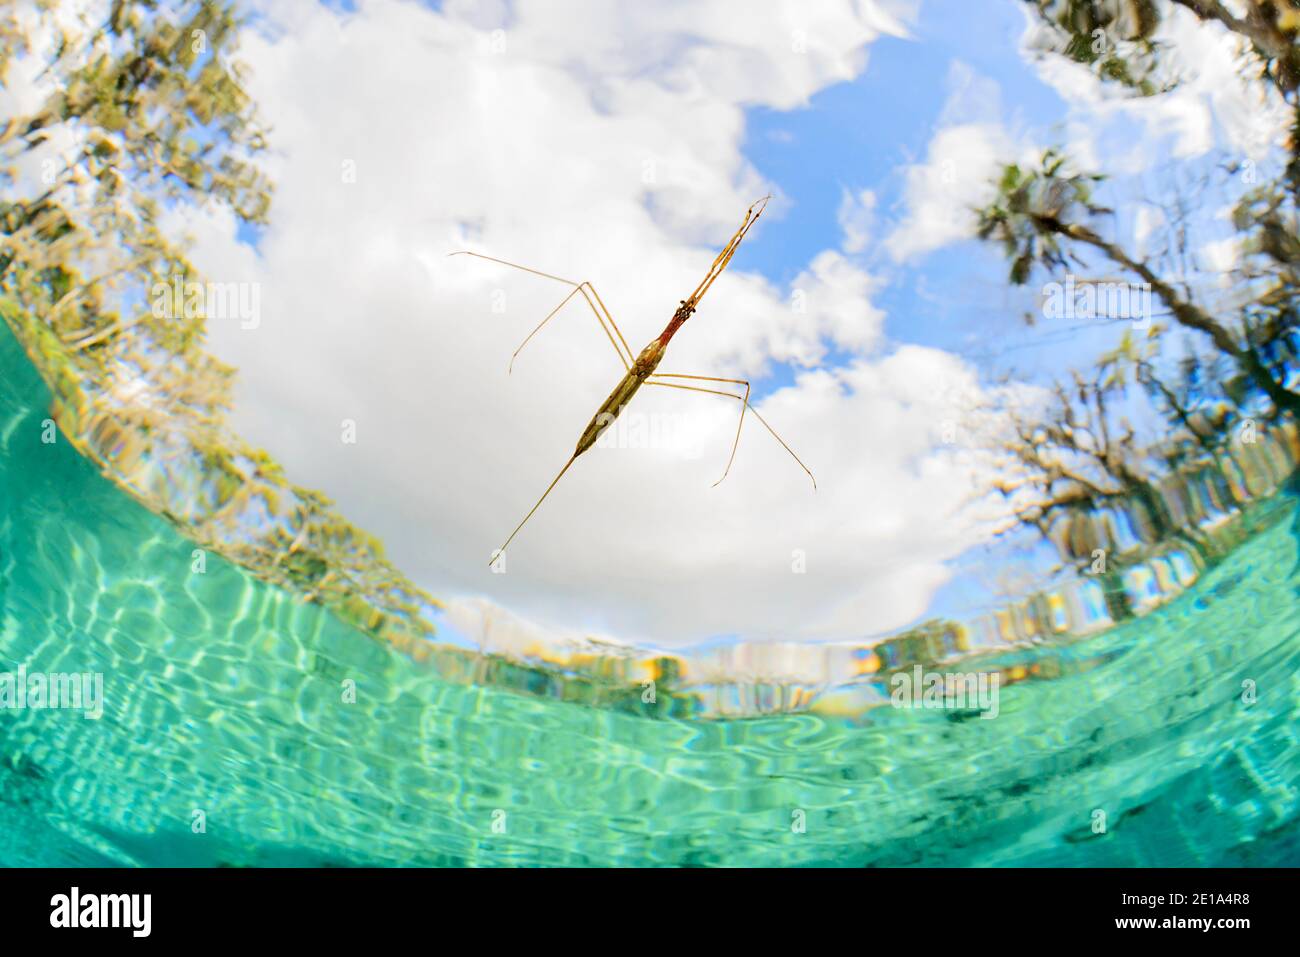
x=641, y=369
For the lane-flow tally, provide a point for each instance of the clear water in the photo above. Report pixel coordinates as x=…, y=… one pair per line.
x=223, y=695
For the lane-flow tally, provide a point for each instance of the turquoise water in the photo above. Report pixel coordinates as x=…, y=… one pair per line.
x=223, y=696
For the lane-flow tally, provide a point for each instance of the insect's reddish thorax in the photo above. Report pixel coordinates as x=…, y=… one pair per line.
x=679, y=317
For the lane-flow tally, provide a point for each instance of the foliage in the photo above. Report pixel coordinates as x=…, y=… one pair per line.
x=1076, y=456
x=1117, y=39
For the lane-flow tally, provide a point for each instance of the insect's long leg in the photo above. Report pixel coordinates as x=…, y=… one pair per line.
x=744, y=401
x=588, y=291
x=554, y=482
x=608, y=315
x=744, y=404
x=564, y=302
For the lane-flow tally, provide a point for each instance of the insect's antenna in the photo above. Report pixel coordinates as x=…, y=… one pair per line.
x=720, y=263
x=554, y=482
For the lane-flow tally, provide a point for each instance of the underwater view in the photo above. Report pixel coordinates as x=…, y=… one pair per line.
x=224, y=698
x=1005, y=569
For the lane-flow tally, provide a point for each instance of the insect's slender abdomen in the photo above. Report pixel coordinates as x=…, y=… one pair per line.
x=627, y=387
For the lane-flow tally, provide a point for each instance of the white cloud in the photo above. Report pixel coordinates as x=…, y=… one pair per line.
x=968, y=148
x=837, y=297
x=600, y=143
x=941, y=193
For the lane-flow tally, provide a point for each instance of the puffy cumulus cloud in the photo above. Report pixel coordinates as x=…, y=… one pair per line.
x=840, y=295
x=941, y=193
x=775, y=55
x=969, y=146
x=603, y=143
x=1215, y=104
